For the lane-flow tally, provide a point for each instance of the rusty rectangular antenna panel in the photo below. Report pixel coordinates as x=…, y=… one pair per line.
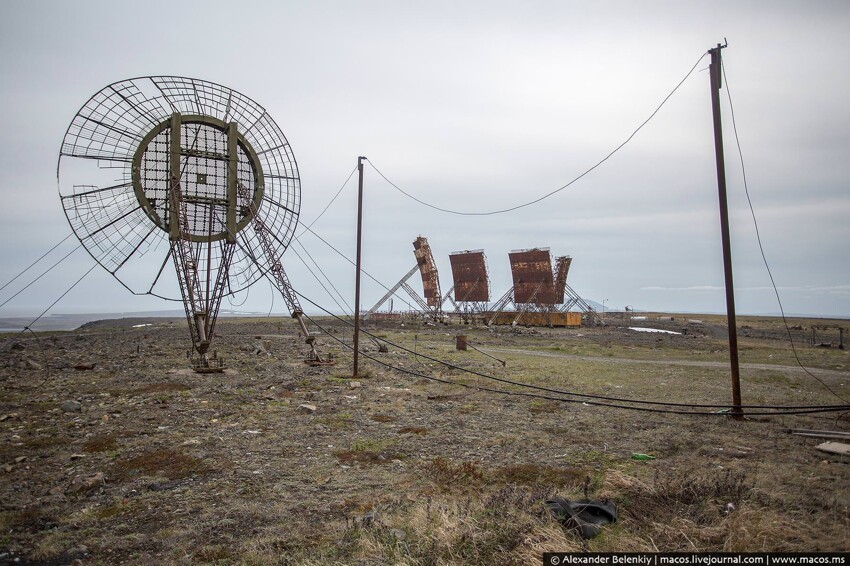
x=469, y=272
x=562, y=268
x=532, y=275
x=430, y=279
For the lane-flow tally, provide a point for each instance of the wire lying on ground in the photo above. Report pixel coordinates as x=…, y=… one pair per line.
x=584, y=398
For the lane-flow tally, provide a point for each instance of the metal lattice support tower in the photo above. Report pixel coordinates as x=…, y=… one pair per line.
x=448, y=297
x=530, y=305
x=576, y=300
x=426, y=308
x=466, y=308
x=392, y=292
x=508, y=297
x=275, y=259
x=201, y=302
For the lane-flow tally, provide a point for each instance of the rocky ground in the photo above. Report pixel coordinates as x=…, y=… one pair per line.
x=113, y=451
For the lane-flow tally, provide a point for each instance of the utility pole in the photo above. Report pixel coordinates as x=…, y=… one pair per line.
x=715, y=74
x=357, y=276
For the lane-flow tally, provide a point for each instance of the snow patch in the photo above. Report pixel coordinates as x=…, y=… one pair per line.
x=653, y=330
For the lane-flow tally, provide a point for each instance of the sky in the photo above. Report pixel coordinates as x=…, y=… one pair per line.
x=474, y=106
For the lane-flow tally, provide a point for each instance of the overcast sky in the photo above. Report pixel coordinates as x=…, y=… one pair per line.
x=476, y=106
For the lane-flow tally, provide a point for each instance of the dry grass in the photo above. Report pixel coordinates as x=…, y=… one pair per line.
x=384, y=418
x=509, y=526
x=413, y=430
x=405, y=471
x=161, y=388
x=51, y=545
x=166, y=462
x=447, y=474
x=101, y=443
x=369, y=452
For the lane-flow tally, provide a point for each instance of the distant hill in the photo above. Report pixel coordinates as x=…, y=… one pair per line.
x=66, y=321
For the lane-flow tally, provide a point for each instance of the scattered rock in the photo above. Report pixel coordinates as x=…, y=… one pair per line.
x=71, y=406
x=370, y=519
x=354, y=384
x=84, y=366
x=20, y=459
x=262, y=347
x=7, y=468
x=306, y=408
x=18, y=347
x=80, y=550
x=32, y=364
x=163, y=486
x=82, y=484
x=77, y=456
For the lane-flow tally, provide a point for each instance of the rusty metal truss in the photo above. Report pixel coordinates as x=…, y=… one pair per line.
x=430, y=278
x=562, y=268
x=431, y=305
x=536, y=289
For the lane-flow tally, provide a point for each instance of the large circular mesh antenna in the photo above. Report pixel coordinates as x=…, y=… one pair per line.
x=159, y=170
x=135, y=139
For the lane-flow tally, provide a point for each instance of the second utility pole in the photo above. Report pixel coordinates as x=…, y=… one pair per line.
x=357, y=276
x=716, y=72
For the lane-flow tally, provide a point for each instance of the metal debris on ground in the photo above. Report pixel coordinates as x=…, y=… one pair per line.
x=583, y=516
x=835, y=448
x=834, y=434
x=314, y=359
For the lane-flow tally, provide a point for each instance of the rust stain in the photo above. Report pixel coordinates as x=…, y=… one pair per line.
x=428, y=270
x=532, y=275
x=469, y=272
x=562, y=268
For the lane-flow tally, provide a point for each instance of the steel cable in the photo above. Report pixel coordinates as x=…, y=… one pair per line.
x=49, y=269
x=761, y=248
x=786, y=409
x=559, y=189
x=12, y=280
